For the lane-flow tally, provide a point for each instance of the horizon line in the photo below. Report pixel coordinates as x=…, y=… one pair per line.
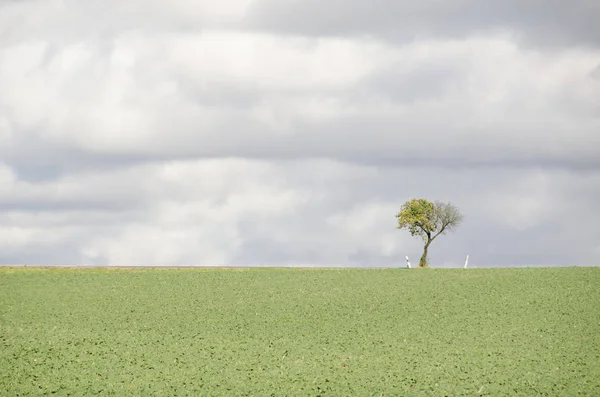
x=83, y=266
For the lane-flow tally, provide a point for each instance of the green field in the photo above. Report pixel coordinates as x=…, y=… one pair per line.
x=300, y=332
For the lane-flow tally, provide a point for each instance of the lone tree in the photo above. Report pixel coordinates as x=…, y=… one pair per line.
x=428, y=220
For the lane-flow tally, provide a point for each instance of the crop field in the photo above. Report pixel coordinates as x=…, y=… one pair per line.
x=300, y=332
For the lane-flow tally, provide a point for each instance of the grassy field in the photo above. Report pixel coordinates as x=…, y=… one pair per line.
x=294, y=332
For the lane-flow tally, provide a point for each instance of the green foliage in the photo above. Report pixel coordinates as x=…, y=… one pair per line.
x=418, y=216
x=292, y=332
x=428, y=220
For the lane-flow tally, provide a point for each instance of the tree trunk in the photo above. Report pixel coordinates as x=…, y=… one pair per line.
x=423, y=262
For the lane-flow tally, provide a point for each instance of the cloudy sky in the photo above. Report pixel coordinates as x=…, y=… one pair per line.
x=289, y=132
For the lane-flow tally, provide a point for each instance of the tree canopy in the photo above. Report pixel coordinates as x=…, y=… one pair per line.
x=428, y=220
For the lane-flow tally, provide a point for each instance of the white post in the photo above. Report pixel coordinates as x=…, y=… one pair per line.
x=407, y=262
x=466, y=262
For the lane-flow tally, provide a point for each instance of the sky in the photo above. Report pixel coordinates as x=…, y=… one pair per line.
x=290, y=132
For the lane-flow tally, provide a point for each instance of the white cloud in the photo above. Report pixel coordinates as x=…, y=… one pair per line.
x=360, y=224
x=19, y=239
x=176, y=95
x=529, y=201
x=153, y=245
x=174, y=136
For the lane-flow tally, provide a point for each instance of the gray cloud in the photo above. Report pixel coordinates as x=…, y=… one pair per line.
x=453, y=108
x=310, y=213
x=549, y=23
x=596, y=73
